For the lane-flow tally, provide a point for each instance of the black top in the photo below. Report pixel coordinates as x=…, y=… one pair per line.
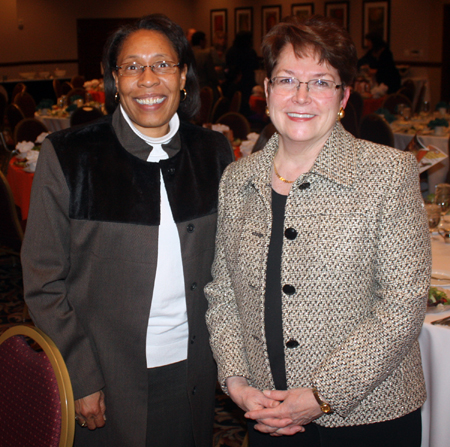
x=273, y=312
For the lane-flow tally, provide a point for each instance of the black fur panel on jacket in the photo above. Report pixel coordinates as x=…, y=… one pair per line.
x=108, y=183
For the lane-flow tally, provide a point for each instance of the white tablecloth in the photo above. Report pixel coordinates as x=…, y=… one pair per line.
x=437, y=173
x=434, y=345
x=54, y=123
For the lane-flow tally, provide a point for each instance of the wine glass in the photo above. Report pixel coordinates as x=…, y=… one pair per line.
x=434, y=215
x=442, y=197
x=426, y=107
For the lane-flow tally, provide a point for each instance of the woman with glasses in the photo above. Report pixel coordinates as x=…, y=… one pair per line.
x=322, y=264
x=119, y=245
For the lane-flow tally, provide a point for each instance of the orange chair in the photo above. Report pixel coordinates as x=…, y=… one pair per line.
x=36, y=398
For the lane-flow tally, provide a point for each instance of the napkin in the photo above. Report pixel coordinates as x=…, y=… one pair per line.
x=220, y=128
x=387, y=115
x=32, y=156
x=379, y=90
x=441, y=104
x=23, y=147
x=45, y=104
x=71, y=108
x=41, y=137
x=438, y=122
x=253, y=136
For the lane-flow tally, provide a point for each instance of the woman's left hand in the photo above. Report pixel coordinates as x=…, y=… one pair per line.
x=298, y=406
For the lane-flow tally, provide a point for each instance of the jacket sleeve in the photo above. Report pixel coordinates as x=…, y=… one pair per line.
x=46, y=266
x=222, y=316
x=402, y=269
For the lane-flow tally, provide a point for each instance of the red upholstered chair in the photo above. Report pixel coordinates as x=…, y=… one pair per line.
x=36, y=398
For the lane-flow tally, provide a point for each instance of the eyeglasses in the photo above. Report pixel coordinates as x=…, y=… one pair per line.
x=159, y=68
x=319, y=88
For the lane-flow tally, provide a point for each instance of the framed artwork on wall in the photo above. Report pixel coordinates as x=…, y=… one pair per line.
x=218, y=21
x=339, y=11
x=302, y=10
x=376, y=19
x=243, y=19
x=270, y=16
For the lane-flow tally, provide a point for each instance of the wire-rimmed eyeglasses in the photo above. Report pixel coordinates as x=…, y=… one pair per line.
x=321, y=88
x=159, y=68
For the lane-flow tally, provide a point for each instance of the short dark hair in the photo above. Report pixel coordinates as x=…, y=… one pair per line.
x=324, y=36
x=161, y=23
x=197, y=38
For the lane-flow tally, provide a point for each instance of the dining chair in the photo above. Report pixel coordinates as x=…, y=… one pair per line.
x=264, y=137
x=77, y=81
x=83, y=115
x=357, y=101
x=28, y=130
x=237, y=123
x=221, y=107
x=392, y=101
x=79, y=91
x=57, y=88
x=66, y=87
x=408, y=89
x=420, y=98
x=376, y=129
x=206, y=103
x=11, y=233
x=235, y=104
x=36, y=398
x=18, y=88
x=26, y=103
x=350, y=121
x=13, y=115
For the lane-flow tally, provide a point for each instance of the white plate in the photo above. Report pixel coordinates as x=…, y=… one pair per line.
x=442, y=282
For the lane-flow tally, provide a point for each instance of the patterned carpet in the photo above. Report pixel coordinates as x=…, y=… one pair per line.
x=229, y=425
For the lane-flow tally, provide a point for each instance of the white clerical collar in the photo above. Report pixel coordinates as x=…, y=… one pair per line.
x=174, y=125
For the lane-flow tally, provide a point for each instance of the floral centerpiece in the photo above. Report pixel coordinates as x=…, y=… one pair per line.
x=27, y=152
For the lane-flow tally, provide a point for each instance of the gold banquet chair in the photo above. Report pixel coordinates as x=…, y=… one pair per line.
x=36, y=398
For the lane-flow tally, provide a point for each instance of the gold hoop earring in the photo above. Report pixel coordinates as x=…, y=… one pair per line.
x=267, y=111
x=184, y=95
x=341, y=114
x=117, y=97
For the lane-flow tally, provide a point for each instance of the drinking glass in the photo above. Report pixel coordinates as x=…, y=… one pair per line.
x=442, y=197
x=434, y=215
x=407, y=113
x=426, y=107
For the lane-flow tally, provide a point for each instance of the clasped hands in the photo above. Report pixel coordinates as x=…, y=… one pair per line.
x=276, y=412
x=90, y=410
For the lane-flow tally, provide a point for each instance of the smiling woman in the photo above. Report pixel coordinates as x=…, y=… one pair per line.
x=317, y=297
x=119, y=246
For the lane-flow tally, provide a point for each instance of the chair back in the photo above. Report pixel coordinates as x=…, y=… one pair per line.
x=11, y=234
x=4, y=93
x=36, y=398
x=18, y=88
x=57, y=88
x=376, y=129
x=420, y=98
x=28, y=130
x=3, y=102
x=84, y=115
x=26, y=103
x=357, y=101
x=408, y=89
x=392, y=101
x=237, y=123
x=77, y=81
x=206, y=103
x=14, y=115
x=221, y=107
x=264, y=137
x=66, y=87
x=235, y=104
x=80, y=91
x=350, y=121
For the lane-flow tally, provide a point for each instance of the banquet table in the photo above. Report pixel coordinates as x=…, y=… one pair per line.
x=437, y=173
x=434, y=345
x=20, y=182
x=54, y=123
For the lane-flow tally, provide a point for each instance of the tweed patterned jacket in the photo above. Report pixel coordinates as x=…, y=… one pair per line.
x=358, y=266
